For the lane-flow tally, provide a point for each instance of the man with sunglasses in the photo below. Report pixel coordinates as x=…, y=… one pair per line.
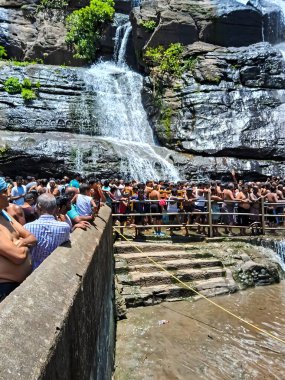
x=15, y=241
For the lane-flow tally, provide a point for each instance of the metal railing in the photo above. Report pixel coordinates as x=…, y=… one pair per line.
x=209, y=223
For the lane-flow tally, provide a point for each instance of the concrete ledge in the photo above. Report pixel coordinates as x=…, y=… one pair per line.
x=59, y=323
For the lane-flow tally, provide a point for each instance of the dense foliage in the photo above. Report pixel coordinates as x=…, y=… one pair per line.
x=12, y=86
x=150, y=25
x=85, y=26
x=27, y=83
x=27, y=89
x=169, y=61
x=28, y=94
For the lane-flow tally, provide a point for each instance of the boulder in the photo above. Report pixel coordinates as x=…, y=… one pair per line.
x=252, y=273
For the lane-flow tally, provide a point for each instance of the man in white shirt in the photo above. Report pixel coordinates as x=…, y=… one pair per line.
x=18, y=192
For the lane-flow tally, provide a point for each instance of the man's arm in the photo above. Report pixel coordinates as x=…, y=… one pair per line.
x=10, y=251
x=83, y=225
x=93, y=204
x=27, y=239
x=82, y=218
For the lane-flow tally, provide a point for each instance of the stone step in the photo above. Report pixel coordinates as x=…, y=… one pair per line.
x=150, y=295
x=156, y=278
x=126, y=247
x=174, y=264
x=141, y=258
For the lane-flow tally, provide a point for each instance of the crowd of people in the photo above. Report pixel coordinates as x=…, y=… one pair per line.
x=38, y=215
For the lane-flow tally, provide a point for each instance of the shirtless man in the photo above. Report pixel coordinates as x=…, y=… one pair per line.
x=228, y=207
x=154, y=195
x=272, y=198
x=15, y=240
x=243, y=208
x=16, y=212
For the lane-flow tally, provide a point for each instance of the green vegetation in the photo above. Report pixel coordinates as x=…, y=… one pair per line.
x=4, y=150
x=84, y=27
x=12, y=86
x=53, y=4
x=27, y=89
x=191, y=63
x=24, y=63
x=3, y=52
x=27, y=83
x=19, y=63
x=37, y=85
x=150, y=25
x=165, y=119
x=167, y=67
x=28, y=95
x=168, y=61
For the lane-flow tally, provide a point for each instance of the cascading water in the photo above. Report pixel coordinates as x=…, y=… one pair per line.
x=121, y=40
x=281, y=5
x=79, y=161
x=280, y=250
x=121, y=118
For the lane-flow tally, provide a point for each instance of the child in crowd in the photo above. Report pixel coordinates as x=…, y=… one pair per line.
x=85, y=204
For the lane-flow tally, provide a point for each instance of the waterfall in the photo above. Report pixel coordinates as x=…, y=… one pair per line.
x=79, y=161
x=121, y=118
x=280, y=250
x=121, y=40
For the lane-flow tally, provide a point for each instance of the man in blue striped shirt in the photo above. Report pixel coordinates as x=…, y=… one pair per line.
x=49, y=232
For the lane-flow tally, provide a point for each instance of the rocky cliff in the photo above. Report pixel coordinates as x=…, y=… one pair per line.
x=224, y=112
x=230, y=103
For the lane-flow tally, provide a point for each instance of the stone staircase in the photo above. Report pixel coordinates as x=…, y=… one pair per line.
x=142, y=283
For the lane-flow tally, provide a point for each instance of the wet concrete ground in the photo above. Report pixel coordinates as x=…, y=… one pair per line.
x=199, y=341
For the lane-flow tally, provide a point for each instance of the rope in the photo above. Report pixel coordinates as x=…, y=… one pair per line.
x=206, y=298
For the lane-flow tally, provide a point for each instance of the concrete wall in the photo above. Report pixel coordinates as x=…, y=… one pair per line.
x=59, y=323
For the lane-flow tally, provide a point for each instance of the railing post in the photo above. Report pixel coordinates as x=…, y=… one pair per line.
x=262, y=216
x=210, y=215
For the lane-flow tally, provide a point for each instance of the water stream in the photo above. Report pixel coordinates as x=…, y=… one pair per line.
x=280, y=250
x=121, y=118
x=199, y=341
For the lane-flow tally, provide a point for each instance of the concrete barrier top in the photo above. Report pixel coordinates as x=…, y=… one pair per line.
x=32, y=317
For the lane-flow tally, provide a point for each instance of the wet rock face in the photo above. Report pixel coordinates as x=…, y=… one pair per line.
x=220, y=22
x=29, y=33
x=231, y=104
x=56, y=109
x=58, y=133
